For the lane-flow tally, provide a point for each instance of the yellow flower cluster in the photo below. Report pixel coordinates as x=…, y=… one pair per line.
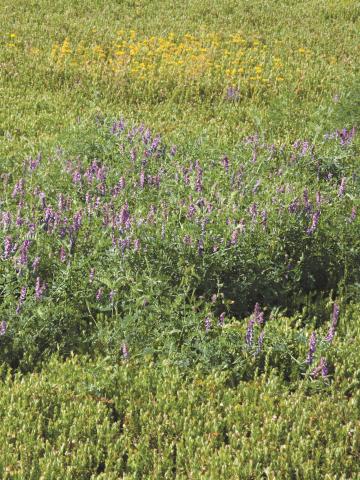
x=208, y=60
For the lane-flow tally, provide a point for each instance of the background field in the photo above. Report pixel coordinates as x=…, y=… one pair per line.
x=179, y=276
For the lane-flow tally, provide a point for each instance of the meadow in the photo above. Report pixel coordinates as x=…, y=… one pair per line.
x=179, y=240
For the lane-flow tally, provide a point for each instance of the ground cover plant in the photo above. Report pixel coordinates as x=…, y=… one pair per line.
x=179, y=240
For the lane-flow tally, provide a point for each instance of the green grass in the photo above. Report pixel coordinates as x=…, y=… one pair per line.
x=128, y=373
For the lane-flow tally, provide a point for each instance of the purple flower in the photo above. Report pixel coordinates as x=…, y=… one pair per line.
x=232, y=94
x=312, y=349
x=7, y=247
x=24, y=249
x=225, y=162
x=21, y=299
x=136, y=245
x=3, y=328
x=125, y=351
x=222, y=319
x=258, y=314
x=249, y=336
x=322, y=368
x=18, y=189
x=207, y=324
x=314, y=223
x=39, y=289
x=99, y=294
x=342, y=187
x=173, y=150
x=335, y=317
x=35, y=264
x=306, y=200
x=260, y=342
x=62, y=254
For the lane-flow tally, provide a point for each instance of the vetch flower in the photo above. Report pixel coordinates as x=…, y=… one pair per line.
x=335, y=317
x=3, y=328
x=312, y=349
x=207, y=324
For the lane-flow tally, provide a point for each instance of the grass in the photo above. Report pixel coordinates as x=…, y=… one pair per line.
x=179, y=239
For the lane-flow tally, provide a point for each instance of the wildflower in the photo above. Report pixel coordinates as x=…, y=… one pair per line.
x=225, y=162
x=125, y=351
x=342, y=187
x=222, y=319
x=314, y=223
x=21, y=299
x=3, y=328
x=99, y=294
x=249, y=336
x=335, y=317
x=7, y=247
x=173, y=150
x=260, y=342
x=24, y=252
x=322, y=368
x=39, y=289
x=258, y=314
x=207, y=324
x=62, y=254
x=312, y=349
x=35, y=264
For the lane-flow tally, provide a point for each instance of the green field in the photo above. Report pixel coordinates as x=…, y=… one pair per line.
x=179, y=239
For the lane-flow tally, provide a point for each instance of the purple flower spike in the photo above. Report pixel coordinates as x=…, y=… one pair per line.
x=314, y=223
x=312, y=349
x=207, y=324
x=99, y=294
x=7, y=247
x=39, y=289
x=21, y=299
x=335, y=317
x=92, y=275
x=260, y=342
x=342, y=187
x=222, y=319
x=125, y=351
x=321, y=368
x=249, y=336
x=3, y=328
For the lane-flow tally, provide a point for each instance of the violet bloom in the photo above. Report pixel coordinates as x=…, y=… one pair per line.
x=18, y=188
x=112, y=296
x=62, y=254
x=322, y=368
x=99, y=294
x=77, y=220
x=6, y=220
x=125, y=351
x=173, y=150
x=249, y=336
x=342, y=187
x=234, y=237
x=260, y=342
x=335, y=317
x=207, y=324
x=21, y=299
x=312, y=349
x=39, y=289
x=3, y=328
x=258, y=314
x=222, y=319
x=191, y=211
x=225, y=162
x=24, y=249
x=7, y=247
x=314, y=223
x=306, y=200
x=35, y=264
x=136, y=245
